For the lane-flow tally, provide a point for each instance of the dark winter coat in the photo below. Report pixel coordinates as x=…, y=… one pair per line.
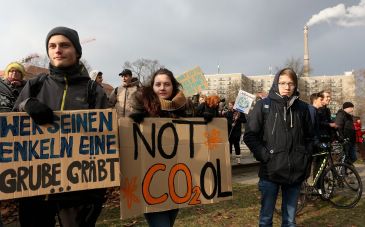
x=326, y=133
x=54, y=94
x=345, y=124
x=67, y=92
x=281, y=141
x=235, y=128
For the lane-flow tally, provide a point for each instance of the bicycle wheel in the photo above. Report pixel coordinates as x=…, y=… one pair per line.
x=341, y=185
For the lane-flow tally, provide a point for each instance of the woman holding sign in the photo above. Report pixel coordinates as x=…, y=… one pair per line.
x=235, y=120
x=161, y=98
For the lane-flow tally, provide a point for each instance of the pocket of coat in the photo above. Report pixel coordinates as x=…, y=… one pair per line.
x=300, y=158
x=278, y=160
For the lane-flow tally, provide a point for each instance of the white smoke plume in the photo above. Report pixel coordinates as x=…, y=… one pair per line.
x=340, y=15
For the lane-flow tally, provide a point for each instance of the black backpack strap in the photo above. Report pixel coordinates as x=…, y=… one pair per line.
x=36, y=87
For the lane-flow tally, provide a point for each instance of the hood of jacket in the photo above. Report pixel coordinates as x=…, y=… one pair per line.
x=275, y=95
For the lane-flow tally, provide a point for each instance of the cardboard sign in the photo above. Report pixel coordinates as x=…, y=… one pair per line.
x=193, y=81
x=244, y=101
x=80, y=150
x=167, y=164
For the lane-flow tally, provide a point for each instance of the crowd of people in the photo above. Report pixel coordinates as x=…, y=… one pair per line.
x=281, y=130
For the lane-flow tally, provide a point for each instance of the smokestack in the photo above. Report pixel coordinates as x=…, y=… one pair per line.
x=306, y=53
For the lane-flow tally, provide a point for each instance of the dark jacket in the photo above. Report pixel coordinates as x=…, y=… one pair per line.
x=235, y=127
x=52, y=92
x=345, y=124
x=281, y=141
x=73, y=87
x=326, y=133
x=7, y=97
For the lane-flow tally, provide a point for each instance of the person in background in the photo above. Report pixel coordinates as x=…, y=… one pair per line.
x=359, y=139
x=97, y=76
x=14, y=77
x=279, y=134
x=161, y=98
x=64, y=88
x=316, y=103
x=345, y=123
x=234, y=121
x=120, y=96
x=208, y=108
x=327, y=126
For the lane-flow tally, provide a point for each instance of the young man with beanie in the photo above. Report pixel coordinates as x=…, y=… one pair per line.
x=345, y=122
x=120, y=97
x=65, y=88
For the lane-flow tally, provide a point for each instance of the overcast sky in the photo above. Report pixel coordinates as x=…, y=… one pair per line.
x=240, y=35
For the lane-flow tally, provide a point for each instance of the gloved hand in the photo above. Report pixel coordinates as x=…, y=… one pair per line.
x=38, y=111
x=137, y=117
x=208, y=117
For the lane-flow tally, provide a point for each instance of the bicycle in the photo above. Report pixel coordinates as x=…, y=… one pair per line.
x=339, y=183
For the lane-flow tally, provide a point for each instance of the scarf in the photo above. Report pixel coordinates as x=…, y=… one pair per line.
x=176, y=103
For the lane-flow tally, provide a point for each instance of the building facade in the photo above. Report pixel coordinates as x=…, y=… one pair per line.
x=342, y=87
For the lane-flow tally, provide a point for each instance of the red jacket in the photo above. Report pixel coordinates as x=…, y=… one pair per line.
x=359, y=133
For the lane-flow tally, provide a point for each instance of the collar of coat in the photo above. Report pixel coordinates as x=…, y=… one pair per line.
x=176, y=103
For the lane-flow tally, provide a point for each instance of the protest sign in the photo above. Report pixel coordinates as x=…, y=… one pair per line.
x=78, y=151
x=193, y=81
x=167, y=164
x=243, y=101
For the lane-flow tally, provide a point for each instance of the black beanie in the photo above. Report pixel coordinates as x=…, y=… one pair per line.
x=69, y=33
x=346, y=105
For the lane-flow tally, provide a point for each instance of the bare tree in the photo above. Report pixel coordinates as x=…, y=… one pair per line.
x=143, y=68
x=296, y=64
x=39, y=60
x=232, y=91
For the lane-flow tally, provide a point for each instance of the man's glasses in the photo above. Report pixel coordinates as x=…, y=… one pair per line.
x=14, y=71
x=284, y=84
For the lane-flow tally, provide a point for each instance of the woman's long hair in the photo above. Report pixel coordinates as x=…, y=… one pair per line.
x=151, y=102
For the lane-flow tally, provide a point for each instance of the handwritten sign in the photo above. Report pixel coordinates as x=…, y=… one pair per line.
x=80, y=150
x=169, y=164
x=193, y=81
x=243, y=101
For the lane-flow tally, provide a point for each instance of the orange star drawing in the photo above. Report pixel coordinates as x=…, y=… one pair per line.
x=128, y=190
x=213, y=138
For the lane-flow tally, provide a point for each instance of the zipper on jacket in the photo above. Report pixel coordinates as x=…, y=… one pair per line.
x=272, y=131
x=64, y=94
x=125, y=100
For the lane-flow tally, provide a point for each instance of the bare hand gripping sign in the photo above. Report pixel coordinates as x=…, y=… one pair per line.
x=167, y=164
x=79, y=151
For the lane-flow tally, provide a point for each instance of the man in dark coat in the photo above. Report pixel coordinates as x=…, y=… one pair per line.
x=65, y=88
x=279, y=134
x=346, y=129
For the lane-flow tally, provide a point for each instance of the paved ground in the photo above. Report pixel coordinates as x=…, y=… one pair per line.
x=246, y=173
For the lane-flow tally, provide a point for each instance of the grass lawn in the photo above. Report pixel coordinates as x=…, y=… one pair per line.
x=243, y=210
